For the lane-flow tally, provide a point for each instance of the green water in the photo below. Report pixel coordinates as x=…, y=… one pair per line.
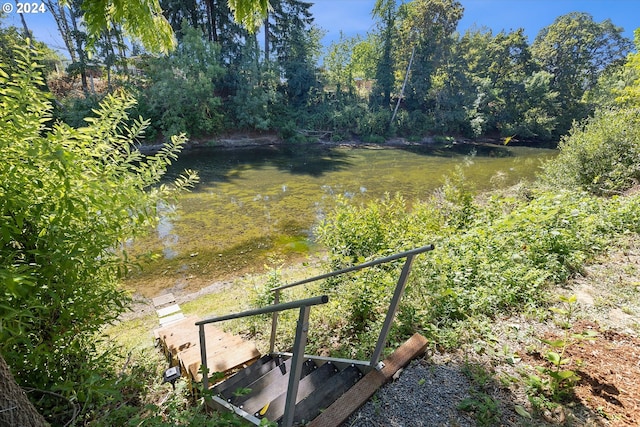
x=254, y=203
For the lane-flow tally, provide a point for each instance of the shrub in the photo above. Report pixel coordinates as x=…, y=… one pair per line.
x=601, y=156
x=181, y=95
x=69, y=199
x=493, y=258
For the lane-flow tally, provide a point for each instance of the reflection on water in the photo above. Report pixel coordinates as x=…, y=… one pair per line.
x=269, y=193
x=164, y=229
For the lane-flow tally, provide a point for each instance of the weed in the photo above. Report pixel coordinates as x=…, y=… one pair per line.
x=558, y=381
x=486, y=408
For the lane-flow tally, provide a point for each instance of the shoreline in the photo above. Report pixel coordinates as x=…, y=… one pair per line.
x=246, y=141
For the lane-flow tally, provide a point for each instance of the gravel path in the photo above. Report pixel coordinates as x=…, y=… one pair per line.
x=422, y=395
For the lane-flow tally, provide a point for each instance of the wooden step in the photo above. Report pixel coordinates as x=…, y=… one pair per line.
x=326, y=394
x=241, y=378
x=165, y=321
x=309, y=384
x=163, y=300
x=178, y=336
x=270, y=386
x=172, y=309
x=224, y=354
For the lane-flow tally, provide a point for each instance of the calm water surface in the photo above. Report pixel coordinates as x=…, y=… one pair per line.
x=268, y=199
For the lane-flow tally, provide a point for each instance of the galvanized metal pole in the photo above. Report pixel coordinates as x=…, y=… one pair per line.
x=274, y=323
x=302, y=330
x=203, y=358
x=393, y=307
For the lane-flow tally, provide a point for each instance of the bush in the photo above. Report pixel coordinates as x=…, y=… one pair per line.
x=494, y=258
x=601, y=156
x=69, y=199
x=181, y=95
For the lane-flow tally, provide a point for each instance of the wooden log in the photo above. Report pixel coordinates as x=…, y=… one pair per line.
x=356, y=396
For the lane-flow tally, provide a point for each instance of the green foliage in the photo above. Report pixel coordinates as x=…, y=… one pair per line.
x=601, y=156
x=146, y=401
x=181, y=95
x=485, y=408
x=629, y=95
x=492, y=258
x=249, y=12
x=69, y=200
x=576, y=50
x=559, y=381
x=141, y=19
x=256, y=101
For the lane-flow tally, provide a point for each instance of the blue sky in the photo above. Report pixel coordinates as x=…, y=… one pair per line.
x=354, y=16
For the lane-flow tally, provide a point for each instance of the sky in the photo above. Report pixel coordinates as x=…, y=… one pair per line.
x=354, y=16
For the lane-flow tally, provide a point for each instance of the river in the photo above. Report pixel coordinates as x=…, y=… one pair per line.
x=259, y=205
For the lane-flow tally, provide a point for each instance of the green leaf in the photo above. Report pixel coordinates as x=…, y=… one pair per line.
x=553, y=357
x=520, y=410
x=555, y=343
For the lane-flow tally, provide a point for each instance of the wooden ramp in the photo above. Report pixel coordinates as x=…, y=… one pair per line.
x=178, y=338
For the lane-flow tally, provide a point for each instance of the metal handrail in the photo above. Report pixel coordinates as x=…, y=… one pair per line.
x=298, y=345
x=266, y=310
x=303, y=322
x=357, y=267
x=393, y=305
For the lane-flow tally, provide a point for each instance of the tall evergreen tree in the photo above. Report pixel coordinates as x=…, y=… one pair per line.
x=294, y=44
x=385, y=12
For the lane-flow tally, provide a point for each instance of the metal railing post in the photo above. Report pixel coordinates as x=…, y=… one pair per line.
x=274, y=323
x=203, y=358
x=302, y=331
x=393, y=307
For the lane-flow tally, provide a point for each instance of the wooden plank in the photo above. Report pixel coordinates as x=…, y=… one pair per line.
x=264, y=391
x=179, y=335
x=190, y=338
x=171, y=319
x=232, y=354
x=163, y=300
x=163, y=312
x=163, y=331
x=357, y=395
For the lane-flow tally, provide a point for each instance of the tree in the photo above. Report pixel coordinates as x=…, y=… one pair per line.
x=338, y=64
x=385, y=11
x=69, y=199
x=511, y=96
x=576, y=50
x=425, y=29
x=629, y=95
x=181, y=96
x=296, y=43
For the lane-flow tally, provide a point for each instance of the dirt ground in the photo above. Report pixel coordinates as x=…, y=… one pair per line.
x=608, y=366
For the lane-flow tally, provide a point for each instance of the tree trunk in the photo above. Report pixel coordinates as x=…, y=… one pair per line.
x=266, y=38
x=15, y=407
x=81, y=54
x=62, y=22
